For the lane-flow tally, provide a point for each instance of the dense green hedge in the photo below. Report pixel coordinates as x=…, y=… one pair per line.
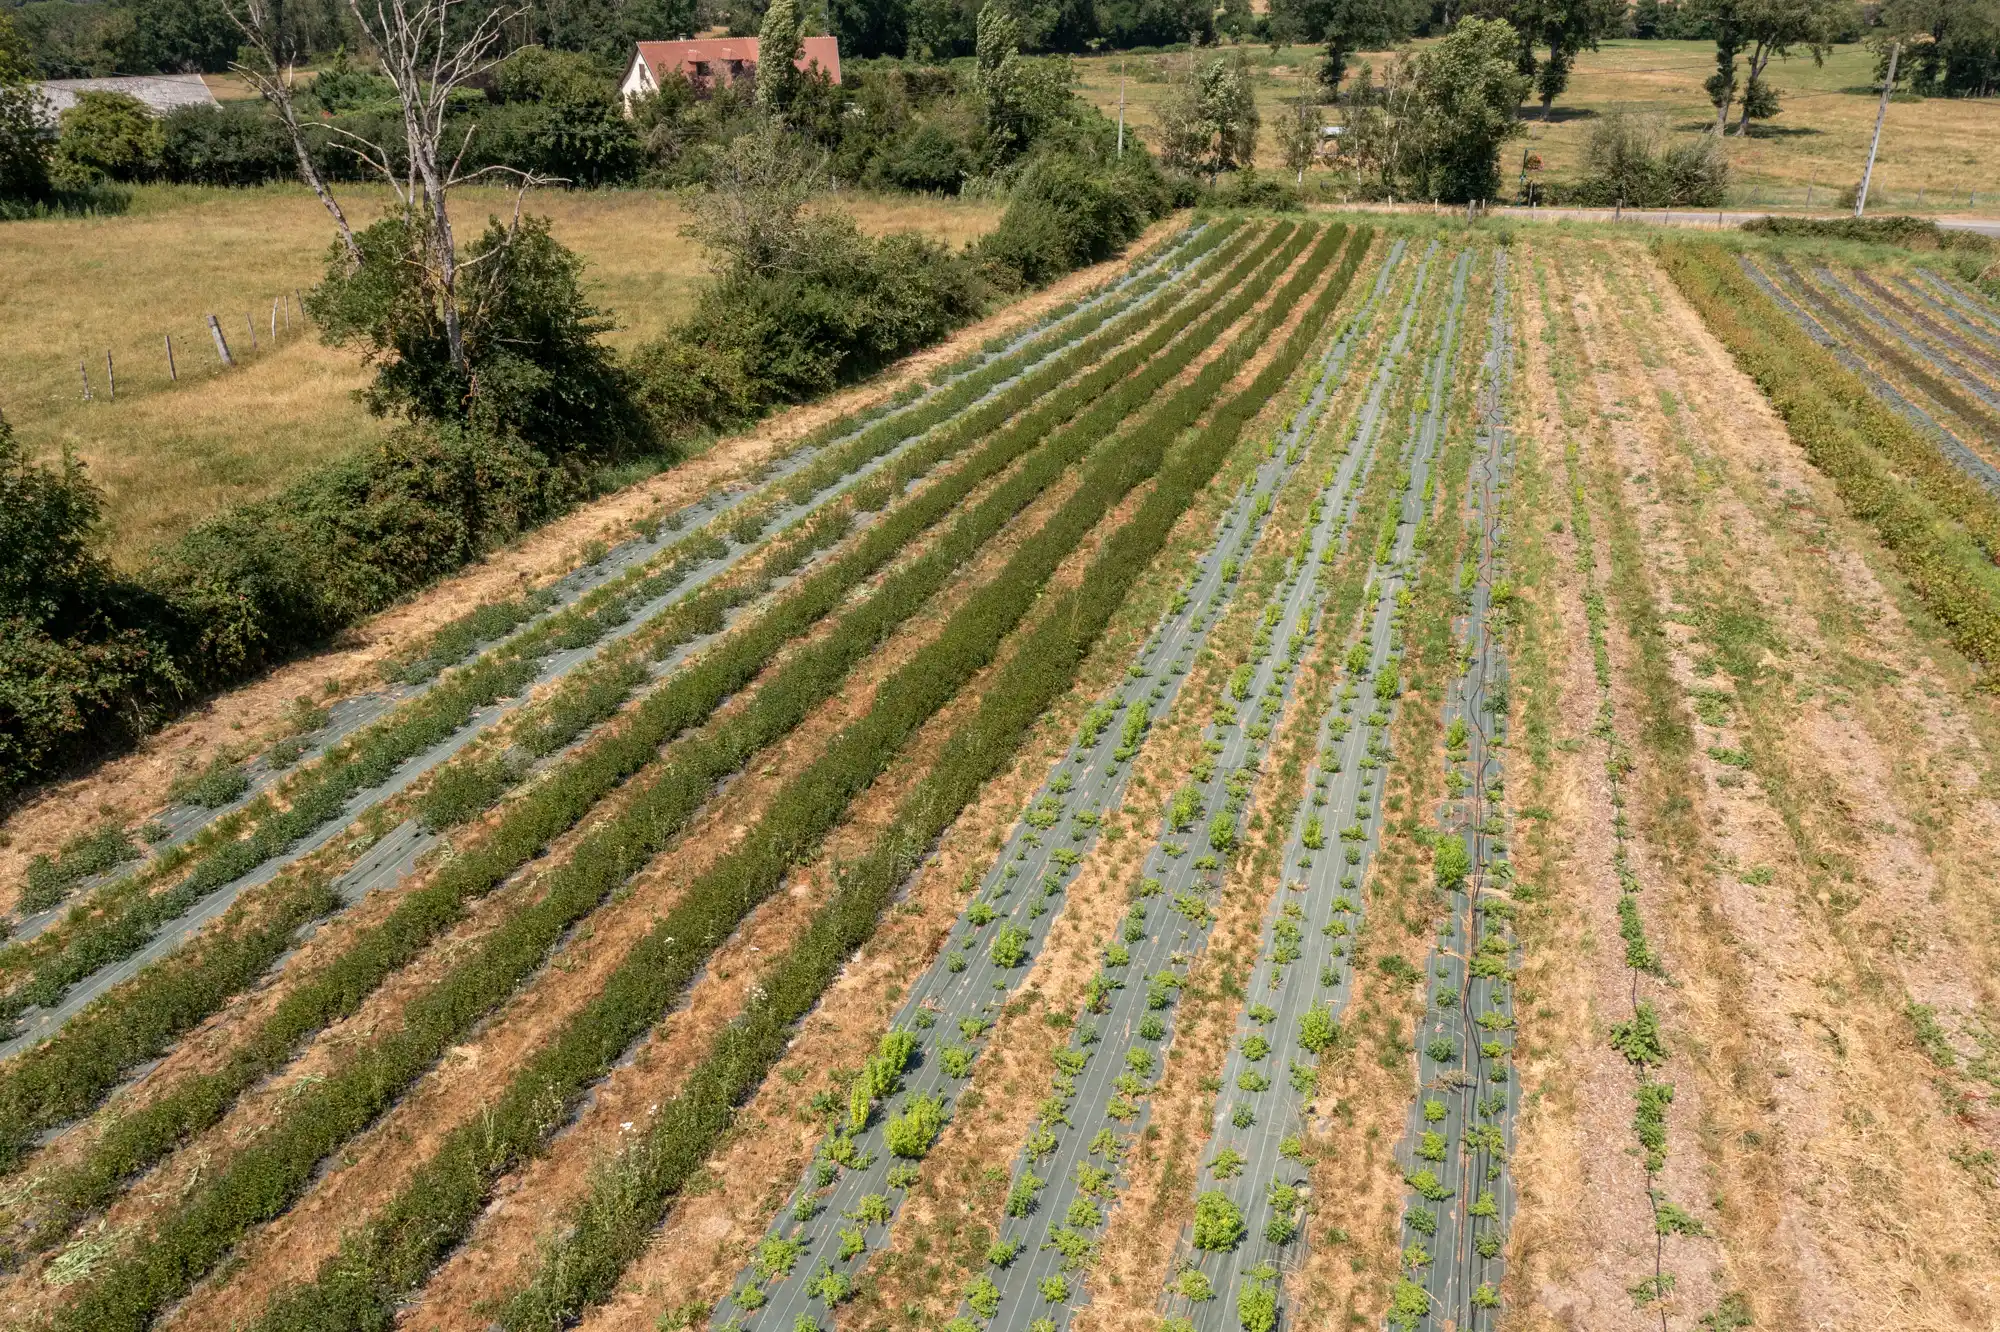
x=629, y=1200
x=71, y=1073
x=1860, y=444
x=403, y=1244
x=263, y=1180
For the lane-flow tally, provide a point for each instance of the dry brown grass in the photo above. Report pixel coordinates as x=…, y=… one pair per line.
x=1940, y=147
x=169, y=455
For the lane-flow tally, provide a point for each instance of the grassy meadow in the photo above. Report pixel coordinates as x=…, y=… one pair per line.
x=1933, y=151
x=169, y=454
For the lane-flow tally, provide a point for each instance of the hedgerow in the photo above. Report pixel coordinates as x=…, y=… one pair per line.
x=420, y=1225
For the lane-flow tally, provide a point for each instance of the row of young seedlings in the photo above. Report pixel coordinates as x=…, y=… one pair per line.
x=70, y=1074
x=1458, y=1136
x=1251, y=1194
x=1639, y=1039
x=1068, y=1174
x=608, y=1230
x=672, y=784
x=395, y=1251
x=898, y=1104
x=380, y=761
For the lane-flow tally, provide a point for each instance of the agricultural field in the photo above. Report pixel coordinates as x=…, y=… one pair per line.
x=1334, y=772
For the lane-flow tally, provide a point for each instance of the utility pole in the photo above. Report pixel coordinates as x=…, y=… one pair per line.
x=1881, y=111
x=1121, y=106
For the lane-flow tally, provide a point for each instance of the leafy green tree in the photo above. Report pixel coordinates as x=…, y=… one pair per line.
x=1727, y=24
x=1465, y=91
x=1777, y=28
x=780, y=43
x=870, y=27
x=24, y=153
x=1209, y=120
x=108, y=136
x=1562, y=29
x=534, y=365
x=1950, y=47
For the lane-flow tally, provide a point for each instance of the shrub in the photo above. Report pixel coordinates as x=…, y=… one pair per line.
x=1625, y=160
x=107, y=136
x=1010, y=947
x=1065, y=212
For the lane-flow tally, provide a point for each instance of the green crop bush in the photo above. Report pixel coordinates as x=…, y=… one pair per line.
x=1255, y=1047
x=1257, y=1303
x=911, y=1133
x=1318, y=1031
x=1193, y=1284
x=219, y=784
x=1639, y=1039
x=1010, y=947
x=983, y=1296
x=1218, y=1223
x=50, y=879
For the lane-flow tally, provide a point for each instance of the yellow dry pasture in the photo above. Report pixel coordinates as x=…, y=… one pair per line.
x=171, y=453
x=1934, y=152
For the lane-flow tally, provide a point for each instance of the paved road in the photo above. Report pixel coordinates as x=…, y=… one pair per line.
x=1711, y=218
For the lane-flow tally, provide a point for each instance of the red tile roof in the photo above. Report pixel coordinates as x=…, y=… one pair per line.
x=662, y=58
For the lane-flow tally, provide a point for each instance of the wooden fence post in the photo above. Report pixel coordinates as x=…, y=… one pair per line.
x=251, y=324
x=274, y=319
x=110, y=375
x=172, y=374
x=221, y=343
x=84, y=375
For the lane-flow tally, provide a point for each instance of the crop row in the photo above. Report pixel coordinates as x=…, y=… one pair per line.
x=1972, y=409
x=1887, y=474
x=690, y=769
x=279, y=1164
x=1457, y=1141
x=416, y=1230
x=1640, y=1039
x=1251, y=1196
x=1099, y=1087
x=848, y=1200
x=123, y=917
x=1955, y=449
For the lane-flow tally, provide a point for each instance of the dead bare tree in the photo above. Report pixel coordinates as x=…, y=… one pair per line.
x=426, y=64
x=262, y=27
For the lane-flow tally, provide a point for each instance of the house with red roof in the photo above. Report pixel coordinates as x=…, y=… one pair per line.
x=710, y=61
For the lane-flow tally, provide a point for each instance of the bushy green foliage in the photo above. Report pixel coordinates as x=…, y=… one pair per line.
x=1218, y=1223
x=1068, y=209
x=534, y=366
x=107, y=136
x=1625, y=160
